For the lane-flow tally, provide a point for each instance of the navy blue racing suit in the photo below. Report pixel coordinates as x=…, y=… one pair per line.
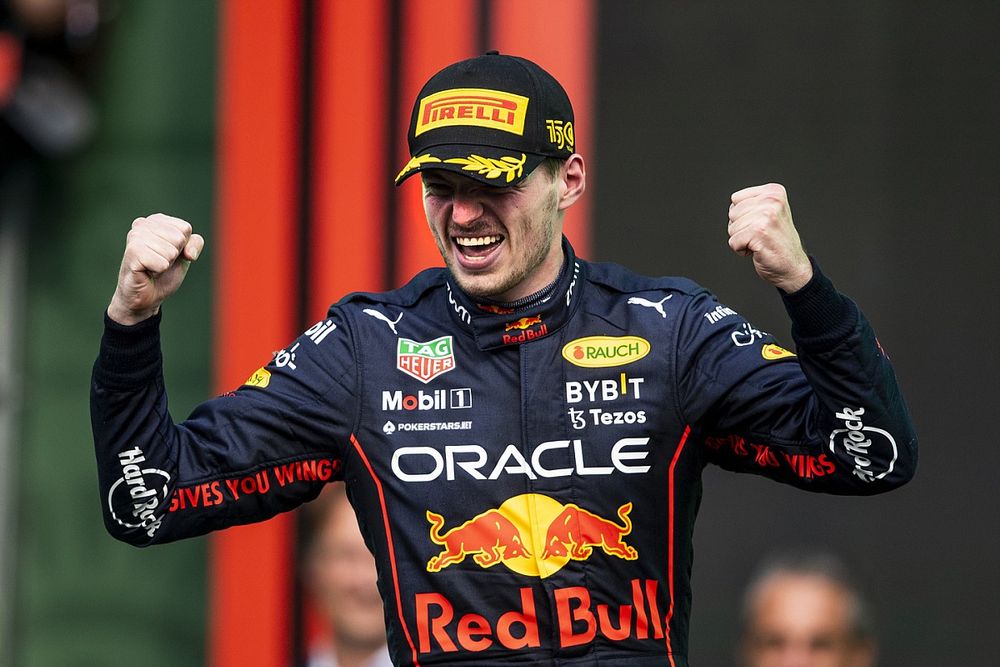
x=528, y=481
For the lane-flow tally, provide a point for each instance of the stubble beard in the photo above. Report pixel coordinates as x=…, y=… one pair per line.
x=490, y=287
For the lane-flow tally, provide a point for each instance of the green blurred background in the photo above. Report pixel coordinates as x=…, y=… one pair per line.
x=81, y=598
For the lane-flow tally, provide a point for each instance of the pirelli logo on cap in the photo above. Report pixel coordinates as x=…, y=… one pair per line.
x=472, y=106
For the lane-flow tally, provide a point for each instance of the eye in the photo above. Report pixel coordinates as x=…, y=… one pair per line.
x=497, y=192
x=437, y=189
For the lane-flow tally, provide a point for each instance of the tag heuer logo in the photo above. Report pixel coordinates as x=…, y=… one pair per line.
x=425, y=361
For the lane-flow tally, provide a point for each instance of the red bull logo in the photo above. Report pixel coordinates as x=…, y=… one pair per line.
x=496, y=310
x=491, y=537
x=523, y=323
x=540, y=547
x=525, y=326
x=576, y=531
x=579, y=619
x=536, y=535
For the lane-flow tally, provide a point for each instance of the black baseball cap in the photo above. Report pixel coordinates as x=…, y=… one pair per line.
x=493, y=118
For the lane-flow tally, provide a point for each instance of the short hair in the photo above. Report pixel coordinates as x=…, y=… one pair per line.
x=820, y=564
x=552, y=165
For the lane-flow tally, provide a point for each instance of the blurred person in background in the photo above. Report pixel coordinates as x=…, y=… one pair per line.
x=47, y=54
x=340, y=579
x=804, y=610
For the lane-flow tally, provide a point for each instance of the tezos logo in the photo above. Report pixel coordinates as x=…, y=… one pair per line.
x=858, y=441
x=136, y=494
x=425, y=361
x=603, y=391
x=605, y=351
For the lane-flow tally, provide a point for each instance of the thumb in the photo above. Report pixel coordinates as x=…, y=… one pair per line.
x=193, y=247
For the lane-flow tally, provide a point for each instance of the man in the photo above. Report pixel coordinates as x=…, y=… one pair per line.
x=522, y=434
x=340, y=578
x=803, y=610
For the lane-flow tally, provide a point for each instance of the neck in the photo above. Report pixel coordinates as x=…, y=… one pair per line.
x=531, y=299
x=353, y=655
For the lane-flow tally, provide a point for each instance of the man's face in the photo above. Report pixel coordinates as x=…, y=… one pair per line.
x=503, y=243
x=342, y=579
x=803, y=621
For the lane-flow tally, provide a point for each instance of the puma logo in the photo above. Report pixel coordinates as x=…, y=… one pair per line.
x=382, y=316
x=656, y=305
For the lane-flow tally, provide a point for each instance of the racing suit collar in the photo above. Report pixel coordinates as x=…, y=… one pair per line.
x=495, y=327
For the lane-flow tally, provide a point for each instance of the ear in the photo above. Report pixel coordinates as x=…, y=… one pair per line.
x=573, y=177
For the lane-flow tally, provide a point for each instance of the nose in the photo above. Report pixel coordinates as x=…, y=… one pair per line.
x=465, y=208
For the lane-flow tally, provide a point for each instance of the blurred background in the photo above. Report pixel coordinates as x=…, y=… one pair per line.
x=880, y=117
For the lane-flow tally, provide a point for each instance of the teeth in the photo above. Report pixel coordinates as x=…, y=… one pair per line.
x=476, y=241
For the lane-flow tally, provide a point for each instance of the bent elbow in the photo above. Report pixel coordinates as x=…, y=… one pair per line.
x=906, y=465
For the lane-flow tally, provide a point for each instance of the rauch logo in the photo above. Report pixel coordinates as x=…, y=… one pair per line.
x=605, y=351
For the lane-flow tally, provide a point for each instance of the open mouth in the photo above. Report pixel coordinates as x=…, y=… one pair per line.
x=476, y=249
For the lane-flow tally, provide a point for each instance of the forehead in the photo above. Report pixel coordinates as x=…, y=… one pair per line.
x=803, y=604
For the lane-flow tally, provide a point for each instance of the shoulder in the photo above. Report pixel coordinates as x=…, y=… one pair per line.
x=421, y=286
x=617, y=279
x=636, y=302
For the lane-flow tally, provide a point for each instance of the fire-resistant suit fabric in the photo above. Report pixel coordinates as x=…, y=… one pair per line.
x=528, y=481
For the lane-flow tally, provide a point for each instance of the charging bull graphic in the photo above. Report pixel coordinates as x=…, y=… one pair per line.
x=526, y=525
x=523, y=323
x=575, y=533
x=490, y=536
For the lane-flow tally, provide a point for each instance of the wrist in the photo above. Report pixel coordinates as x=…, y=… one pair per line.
x=125, y=316
x=797, y=280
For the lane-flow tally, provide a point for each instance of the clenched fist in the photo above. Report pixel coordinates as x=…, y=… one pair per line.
x=760, y=225
x=158, y=251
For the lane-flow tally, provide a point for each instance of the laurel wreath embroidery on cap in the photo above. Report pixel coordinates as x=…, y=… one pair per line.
x=491, y=167
x=415, y=162
x=508, y=165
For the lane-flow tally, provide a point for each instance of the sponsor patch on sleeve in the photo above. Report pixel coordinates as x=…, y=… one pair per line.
x=772, y=352
x=260, y=378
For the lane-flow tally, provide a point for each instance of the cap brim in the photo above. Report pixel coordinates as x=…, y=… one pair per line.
x=493, y=166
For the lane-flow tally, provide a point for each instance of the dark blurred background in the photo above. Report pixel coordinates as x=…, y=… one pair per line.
x=879, y=116
x=882, y=118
